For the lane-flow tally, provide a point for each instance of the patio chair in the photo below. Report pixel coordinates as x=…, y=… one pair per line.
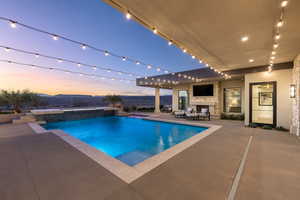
x=179, y=114
x=204, y=114
x=191, y=115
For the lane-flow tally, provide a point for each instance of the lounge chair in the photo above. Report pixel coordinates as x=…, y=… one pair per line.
x=204, y=114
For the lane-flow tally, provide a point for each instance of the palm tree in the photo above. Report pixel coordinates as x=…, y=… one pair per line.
x=17, y=99
x=112, y=99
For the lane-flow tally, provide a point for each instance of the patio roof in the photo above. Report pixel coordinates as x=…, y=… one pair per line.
x=212, y=29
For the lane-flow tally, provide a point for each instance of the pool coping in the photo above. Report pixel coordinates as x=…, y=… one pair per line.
x=125, y=172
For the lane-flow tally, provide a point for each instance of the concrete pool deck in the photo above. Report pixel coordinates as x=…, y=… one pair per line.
x=43, y=166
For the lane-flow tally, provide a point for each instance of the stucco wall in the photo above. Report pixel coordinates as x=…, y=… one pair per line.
x=283, y=79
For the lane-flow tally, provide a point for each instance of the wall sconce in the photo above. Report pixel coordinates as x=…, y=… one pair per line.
x=292, y=91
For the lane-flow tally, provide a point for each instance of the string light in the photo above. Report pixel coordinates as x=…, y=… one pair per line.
x=277, y=36
x=284, y=3
x=79, y=64
x=54, y=37
x=13, y=24
x=7, y=49
x=280, y=23
x=57, y=37
x=128, y=16
x=83, y=46
x=63, y=70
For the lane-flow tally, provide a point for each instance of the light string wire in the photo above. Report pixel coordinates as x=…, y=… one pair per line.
x=83, y=45
x=59, y=59
x=66, y=71
x=276, y=34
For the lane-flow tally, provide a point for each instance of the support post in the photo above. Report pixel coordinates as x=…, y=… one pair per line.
x=157, y=100
x=295, y=121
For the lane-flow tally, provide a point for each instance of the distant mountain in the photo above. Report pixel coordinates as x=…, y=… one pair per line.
x=63, y=100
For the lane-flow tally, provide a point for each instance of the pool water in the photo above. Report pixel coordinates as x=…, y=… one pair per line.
x=128, y=139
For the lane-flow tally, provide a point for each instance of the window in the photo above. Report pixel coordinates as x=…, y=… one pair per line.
x=232, y=100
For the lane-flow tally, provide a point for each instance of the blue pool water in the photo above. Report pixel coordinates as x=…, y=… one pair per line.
x=128, y=139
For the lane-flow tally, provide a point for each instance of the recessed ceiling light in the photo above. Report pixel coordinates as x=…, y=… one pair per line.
x=251, y=60
x=244, y=38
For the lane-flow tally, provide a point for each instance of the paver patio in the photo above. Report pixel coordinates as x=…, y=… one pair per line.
x=45, y=167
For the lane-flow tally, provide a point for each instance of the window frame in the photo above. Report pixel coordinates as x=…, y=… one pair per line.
x=224, y=99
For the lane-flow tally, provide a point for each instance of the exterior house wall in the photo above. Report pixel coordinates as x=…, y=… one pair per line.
x=283, y=79
x=215, y=102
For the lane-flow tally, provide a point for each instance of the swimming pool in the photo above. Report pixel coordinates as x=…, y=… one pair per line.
x=130, y=140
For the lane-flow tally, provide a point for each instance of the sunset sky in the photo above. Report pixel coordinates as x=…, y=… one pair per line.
x=92, y=22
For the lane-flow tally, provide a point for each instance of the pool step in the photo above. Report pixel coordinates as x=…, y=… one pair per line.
x=133, y=157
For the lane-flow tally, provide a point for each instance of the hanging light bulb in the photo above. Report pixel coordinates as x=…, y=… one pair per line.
x=106, y=53
x=284, y=3
x=184, y=50
x=37, y=55
x=128, y=16
x=149, y=66
x=78, y=64
x=94, y=68
x=124, y=58
x=166, y=71
x=275, y=45
x=158, y=69
x=59, y=60
x=13, y=24
x=280, y=23
x=273, y=52
x=277, y=36
x=83, y=46
x=108, y=71
x=54, y=37
x=7, y=49
x=200, y=61
x=154, y=30
x=170, y=43
x=137, y=63
x=193, y=57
